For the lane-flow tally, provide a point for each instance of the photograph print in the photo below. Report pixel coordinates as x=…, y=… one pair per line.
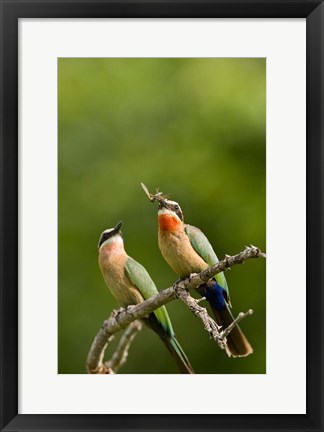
x=161, y=186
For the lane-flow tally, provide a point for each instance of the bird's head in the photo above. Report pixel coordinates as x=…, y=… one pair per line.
x=169, y=212
x=111, y=236
x=170, y=208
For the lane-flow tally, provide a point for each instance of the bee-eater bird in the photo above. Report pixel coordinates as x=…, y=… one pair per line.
x=130, y=284
x=187, y=250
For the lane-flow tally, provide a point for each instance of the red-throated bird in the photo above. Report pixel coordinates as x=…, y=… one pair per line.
x=187, y=250
x=131, y=284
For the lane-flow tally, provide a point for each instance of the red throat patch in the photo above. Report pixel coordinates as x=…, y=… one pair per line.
x=168, y=222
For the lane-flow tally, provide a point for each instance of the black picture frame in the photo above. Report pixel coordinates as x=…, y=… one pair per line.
x=11, y=11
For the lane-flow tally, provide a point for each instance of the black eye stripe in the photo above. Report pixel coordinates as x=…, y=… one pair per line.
x=104, y=237
x=177, y=211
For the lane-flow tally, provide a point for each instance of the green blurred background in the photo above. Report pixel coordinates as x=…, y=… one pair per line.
x=196, y=129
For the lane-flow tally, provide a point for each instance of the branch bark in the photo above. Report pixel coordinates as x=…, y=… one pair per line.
x=215, y=331
x=120, y=319
x=119, y=357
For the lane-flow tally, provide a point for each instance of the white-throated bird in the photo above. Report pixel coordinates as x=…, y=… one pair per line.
x=130, y=284
x=187, y=250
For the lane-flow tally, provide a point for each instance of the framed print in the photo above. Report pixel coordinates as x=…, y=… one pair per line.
x=138, y=140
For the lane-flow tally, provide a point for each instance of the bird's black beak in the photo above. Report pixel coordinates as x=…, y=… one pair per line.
x=162, y=203
x=117, y=227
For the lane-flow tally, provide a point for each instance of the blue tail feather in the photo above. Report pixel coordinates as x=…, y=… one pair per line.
x=215, y=294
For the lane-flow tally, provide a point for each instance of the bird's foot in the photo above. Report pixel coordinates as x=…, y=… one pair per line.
x=192, y=275
x=129, y=309
x=116, y=312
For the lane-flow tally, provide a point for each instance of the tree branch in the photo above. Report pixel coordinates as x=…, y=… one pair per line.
x=123, y=317
x=239, y=318
x=215, y=331
x=120, y=355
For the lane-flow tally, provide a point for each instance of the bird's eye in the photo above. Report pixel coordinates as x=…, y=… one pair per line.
x=176, y=207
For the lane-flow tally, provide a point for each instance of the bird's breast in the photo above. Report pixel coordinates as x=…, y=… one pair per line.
x=179, y=254
x=112, y=266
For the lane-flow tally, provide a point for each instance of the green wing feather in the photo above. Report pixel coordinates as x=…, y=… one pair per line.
x=203, y=248
x=139, y=276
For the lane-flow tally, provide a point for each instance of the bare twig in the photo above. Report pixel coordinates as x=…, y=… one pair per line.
x=210, y=325
x=239, y=318
x=120, y=355
x=123, y=317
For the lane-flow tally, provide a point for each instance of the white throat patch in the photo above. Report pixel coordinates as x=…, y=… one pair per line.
x=165, y=211
x=116, y=239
